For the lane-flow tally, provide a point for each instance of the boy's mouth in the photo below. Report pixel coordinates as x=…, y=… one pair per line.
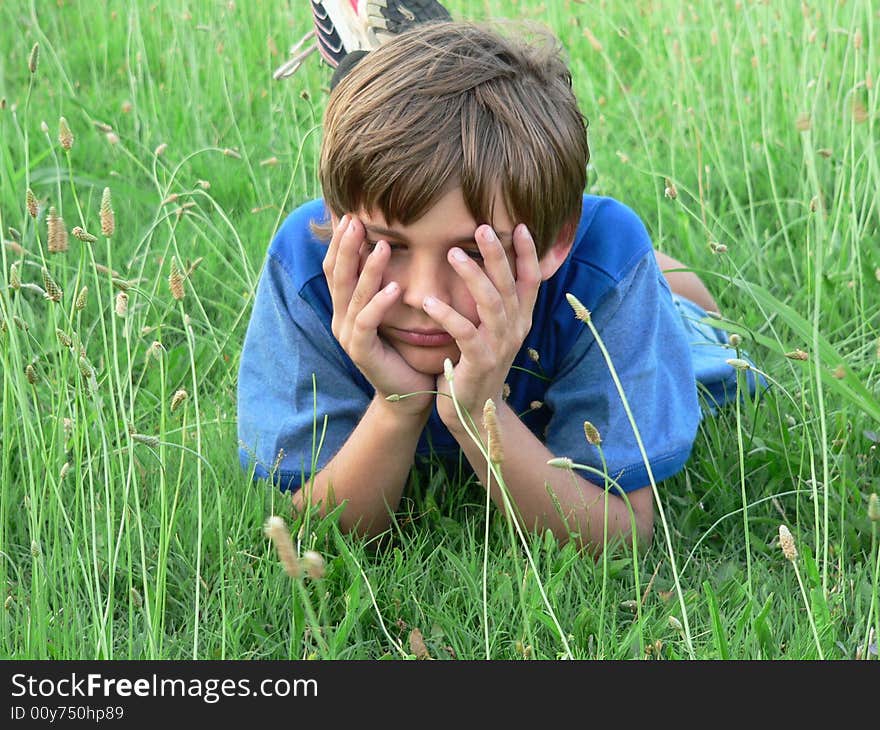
x=422, y=337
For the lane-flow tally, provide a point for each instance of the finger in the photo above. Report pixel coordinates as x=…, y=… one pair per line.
x=370, y=278
x=346, y=265
x=466, y=335
x=365, y=329
x=497, y=265
x=333, y=248
x=528, y=271
x=490, y=305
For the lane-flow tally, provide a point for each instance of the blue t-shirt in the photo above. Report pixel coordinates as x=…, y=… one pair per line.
x=300, y=396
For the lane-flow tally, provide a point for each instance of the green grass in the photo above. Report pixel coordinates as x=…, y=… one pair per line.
x=763, y=117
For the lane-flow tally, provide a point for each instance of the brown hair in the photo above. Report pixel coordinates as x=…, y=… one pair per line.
x=457, y=104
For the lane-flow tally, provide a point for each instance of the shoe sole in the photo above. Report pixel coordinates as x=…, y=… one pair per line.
x=392, y=17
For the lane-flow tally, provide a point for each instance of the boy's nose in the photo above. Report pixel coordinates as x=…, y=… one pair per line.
x=425, y=278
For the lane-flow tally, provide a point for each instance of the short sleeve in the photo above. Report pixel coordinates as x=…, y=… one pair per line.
x=292, y=375
x=642, y=331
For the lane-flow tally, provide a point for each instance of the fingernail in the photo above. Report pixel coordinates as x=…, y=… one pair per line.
x=343, y=222
x=429, y=302
x=377, y=249
x=391, y=288
x=489, y=234
x=459, y=255
x=351, y=226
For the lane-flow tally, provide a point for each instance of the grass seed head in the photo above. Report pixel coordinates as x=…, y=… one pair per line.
x=178, y=399
x=860, y=113
x=53, y=291
x=142, y=438
x=447, y=369
x=155, y=350
x=81, y=299
x=797, y=354
x=30, y=373
x=64, y=338
x=592, y=434
x=592, y=40
x=493, y=432
x=65, y=135
x=20, y=323
x=136, y=598
x=561, y=462
x=14, y=276
x=533, y=355
x=160, y=150
x=175, y=280
x=57, y=237
x=30, y=200
x=85, y=368
x=276, y=530
x=65, y=467
x=580, y=311
x=734, y=340
x=121, y=304
x=191, y=267
x=108, y=218
x=738, y=363
x=14, y=248
x=874, y=507
x=786, y=542
x=670, y=191
x=82, y=235
x=34, y=58
x=313, y=564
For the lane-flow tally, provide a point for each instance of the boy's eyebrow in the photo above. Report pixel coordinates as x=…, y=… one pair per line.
x=391, y=233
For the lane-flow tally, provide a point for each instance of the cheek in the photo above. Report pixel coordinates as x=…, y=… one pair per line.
x=395, y=270
x=463, y=303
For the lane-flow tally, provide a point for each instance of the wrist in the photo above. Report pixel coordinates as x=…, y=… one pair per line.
x=473, y=417
x=408, y=412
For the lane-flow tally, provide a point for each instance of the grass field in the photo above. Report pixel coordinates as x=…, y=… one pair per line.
x=744, y=133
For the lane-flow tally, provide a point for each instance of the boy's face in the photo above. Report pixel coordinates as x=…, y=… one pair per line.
x=419, y=264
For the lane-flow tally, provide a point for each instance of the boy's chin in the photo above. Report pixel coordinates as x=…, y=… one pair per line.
x=428, y=360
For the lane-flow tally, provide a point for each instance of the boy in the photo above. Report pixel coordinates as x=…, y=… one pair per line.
x=453, y=167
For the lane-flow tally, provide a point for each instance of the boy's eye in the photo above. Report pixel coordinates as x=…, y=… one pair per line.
x=474, y=254
x=371, y=246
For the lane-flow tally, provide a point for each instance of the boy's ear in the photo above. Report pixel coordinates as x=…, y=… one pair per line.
x=554, y=256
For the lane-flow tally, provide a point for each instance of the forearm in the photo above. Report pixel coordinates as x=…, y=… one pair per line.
x=559, y=499
x=365, y=472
